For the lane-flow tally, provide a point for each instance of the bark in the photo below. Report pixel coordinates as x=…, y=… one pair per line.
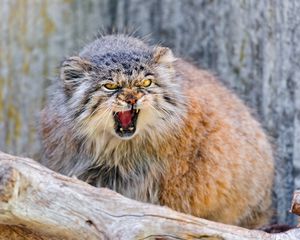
x=251, y=45
x=37, y=203
x=295, y=208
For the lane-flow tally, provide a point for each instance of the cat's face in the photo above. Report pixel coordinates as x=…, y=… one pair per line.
x=125, y=95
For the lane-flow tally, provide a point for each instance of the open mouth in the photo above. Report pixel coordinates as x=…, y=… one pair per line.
x=125, y=122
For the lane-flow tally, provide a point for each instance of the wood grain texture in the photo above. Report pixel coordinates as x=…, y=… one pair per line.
x=251, y=45
x=46, y=205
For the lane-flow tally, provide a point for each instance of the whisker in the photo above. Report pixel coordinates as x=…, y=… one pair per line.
x=167, y=117
x=163, y=94
x=110, y=112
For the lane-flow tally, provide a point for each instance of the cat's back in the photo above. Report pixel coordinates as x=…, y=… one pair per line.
x=214, y=110
x=222, y=155
x=206, y=95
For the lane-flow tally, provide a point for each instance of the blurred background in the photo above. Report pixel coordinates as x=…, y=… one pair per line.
x=251, y=45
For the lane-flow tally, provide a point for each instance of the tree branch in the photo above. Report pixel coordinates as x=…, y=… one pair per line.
x=37, y=203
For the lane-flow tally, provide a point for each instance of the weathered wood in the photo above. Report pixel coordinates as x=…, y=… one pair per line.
x=37, y=203
x=9, y=232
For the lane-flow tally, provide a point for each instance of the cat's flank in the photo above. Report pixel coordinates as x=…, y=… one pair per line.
x=133, y=118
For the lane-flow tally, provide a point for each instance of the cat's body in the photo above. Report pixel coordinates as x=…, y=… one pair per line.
x=183, y=141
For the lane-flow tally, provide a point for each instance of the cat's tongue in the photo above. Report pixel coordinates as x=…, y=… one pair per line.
x=125, y=118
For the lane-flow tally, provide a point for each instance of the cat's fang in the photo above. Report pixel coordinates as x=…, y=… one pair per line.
x=125, y=122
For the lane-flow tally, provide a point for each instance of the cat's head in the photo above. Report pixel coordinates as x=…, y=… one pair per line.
x=120, y=85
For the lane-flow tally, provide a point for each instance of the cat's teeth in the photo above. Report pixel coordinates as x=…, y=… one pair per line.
x=131, y=128
x=121, y=129
x=137, y=110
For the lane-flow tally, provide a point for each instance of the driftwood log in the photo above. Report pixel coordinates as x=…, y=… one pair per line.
x=37, y=203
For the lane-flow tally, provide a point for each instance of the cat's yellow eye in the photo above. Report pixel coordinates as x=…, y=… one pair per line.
x=111, y=86
x=146, y=82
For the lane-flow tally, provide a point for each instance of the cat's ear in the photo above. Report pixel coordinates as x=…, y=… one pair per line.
x=163, y=55
x=73, y=70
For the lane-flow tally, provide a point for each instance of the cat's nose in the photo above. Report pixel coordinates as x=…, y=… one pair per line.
x=131, y=101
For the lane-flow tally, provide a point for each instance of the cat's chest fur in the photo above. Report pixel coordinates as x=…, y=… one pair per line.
x=130, y=168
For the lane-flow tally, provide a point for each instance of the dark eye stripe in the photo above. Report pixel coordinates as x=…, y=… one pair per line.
x=100, y=100
x=79, y=112
x=94, y=107
x=169, y=99
x=148, y=91
x=88, y=95
x=148, y=74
